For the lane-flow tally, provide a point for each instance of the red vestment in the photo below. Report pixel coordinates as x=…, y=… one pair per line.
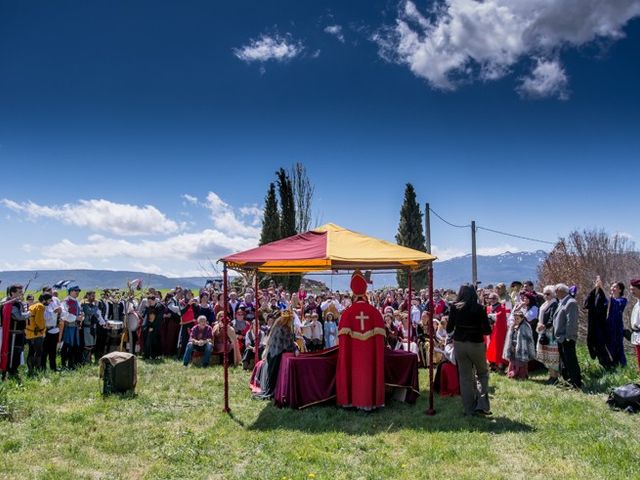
x=5, y=343
x=498, y=335
x=360, y=373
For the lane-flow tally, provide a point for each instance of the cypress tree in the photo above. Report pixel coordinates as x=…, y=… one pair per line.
x=287, y=220
x=411, y=234
x=287, y=204
x=271, y=217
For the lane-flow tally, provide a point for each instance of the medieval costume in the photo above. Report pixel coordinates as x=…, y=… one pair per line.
x=281, y=340
x=615, y=331
x=218, y=341
x=597, y=305
x=250, y=345
x=497, y=314
x=171, y=327
x=92, y=318
x=72, y=317
x=14, y=320
x=361, y=332
x=547, y=347
x=187, y=322
x=34, y=333
x=52, y=323
x=330, y=330
x=519, y=348
x=151, y=327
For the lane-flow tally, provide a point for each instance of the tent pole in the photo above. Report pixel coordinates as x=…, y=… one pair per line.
x=432, y=307
x=225, y=324
x=409, y=322
x=256, y=330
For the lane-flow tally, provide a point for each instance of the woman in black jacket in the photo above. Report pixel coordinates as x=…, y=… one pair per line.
x=469, y=323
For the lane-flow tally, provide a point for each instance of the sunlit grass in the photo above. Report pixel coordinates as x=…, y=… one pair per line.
x=61, y=427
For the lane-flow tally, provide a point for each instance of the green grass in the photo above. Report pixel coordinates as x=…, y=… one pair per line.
x=61, y=427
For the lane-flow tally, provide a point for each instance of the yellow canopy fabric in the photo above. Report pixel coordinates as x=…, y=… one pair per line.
x=345, y=249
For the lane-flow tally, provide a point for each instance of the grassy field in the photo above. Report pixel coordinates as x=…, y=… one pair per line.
x=62, y=428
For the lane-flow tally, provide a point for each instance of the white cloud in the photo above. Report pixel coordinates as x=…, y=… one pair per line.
x=195, y=246
x=459, y=40
x=225, y=219
x=548, y=79
x=100, y=215
x=270, y=47
x=336, y=31
x=46, y=264
x=190, y=199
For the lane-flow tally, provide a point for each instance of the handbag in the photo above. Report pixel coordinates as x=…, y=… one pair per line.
x=543, y=339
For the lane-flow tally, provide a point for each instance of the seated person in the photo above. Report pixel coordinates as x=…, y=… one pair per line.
x=200, y=339
x=405, y=330
x=240, y=327
x=218, y=339
x=312, y=332
x=391, y=339
x=249, y=342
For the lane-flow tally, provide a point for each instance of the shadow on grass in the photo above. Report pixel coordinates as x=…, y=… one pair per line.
x=394, y=417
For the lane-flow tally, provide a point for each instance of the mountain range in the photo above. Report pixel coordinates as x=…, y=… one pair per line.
x=448, y=273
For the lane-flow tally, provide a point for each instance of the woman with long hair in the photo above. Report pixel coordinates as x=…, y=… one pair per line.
x=281, y=339
x=469, y=324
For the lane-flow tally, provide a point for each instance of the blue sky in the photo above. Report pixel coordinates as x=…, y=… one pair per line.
x=524, y=117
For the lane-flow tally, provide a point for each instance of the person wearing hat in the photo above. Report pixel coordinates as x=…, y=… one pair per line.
x=72, y=318
x=565, y=329
x=635, y=317
x=361, y=333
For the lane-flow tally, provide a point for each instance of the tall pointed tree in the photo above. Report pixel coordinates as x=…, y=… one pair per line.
x=271, y=217
x=287, y=220
x=411, y=234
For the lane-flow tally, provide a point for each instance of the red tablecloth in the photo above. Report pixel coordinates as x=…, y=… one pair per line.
x=310, y=378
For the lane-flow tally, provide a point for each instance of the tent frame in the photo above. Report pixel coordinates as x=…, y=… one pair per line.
x=256, y=269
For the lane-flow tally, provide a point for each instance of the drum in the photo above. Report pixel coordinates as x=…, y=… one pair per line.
x=115, y=329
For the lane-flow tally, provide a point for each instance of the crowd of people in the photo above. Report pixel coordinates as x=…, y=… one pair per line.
x=504, y=329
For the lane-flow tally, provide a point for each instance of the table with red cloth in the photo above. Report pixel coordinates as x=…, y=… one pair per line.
x=310, y=378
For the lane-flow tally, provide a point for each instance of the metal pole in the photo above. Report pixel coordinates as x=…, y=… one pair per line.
x=409, y=323
x=431, y=410
x=225, y=323
x=256, y=330
x=474, y=256
x=427, y=227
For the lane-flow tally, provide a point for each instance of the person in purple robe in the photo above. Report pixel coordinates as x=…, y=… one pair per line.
x=615, y=326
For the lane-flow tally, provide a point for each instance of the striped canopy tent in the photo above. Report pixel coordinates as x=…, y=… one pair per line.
x=329, y=247
x=326, y=248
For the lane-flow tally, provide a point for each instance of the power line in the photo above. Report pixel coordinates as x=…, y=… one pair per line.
x=516, y=236
x=522, y=237
x=448, y=223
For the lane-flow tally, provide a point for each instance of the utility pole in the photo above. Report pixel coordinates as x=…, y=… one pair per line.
x=474, y=256
x=427, y=227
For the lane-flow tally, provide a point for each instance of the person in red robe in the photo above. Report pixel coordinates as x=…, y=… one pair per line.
x=497, y=313
x=361, y=334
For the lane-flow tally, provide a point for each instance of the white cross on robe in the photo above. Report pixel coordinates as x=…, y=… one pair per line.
x=362, y=317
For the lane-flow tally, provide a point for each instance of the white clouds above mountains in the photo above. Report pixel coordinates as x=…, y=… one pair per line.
x=100, y=215
x=457, y=41
x=173, y=251
x=269, y=47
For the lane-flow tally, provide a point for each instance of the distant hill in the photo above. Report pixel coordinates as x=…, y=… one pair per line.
x=92, y=279
x=452, y=273
x=447, y=274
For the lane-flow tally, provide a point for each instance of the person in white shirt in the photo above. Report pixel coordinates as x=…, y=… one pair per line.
x=52, y=337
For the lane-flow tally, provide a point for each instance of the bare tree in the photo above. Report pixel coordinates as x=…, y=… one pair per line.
x=580, y=257
x=303, y=191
